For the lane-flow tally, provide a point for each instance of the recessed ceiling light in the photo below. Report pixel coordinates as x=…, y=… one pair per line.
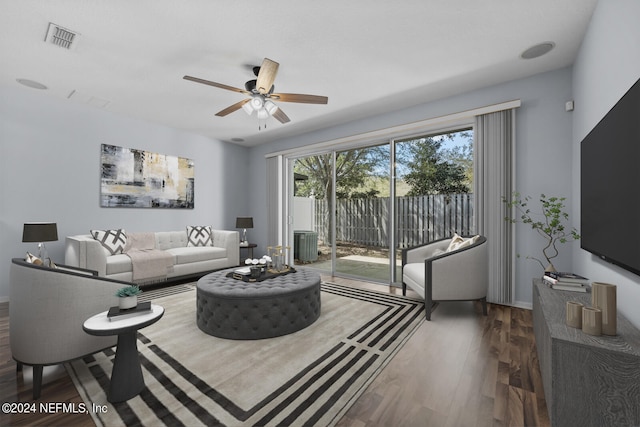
x=537, y=50
x=31, y=83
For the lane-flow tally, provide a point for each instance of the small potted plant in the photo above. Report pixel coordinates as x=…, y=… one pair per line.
x=549, y=223
x=128, y=296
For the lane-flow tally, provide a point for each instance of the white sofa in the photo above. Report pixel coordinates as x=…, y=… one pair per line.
x=85, y=252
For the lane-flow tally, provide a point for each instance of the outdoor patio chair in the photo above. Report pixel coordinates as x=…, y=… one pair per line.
x=452, y=269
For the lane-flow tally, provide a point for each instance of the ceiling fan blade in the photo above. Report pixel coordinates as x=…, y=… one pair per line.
x=235, y=107
x=300, y=98
x=266, y=76
x=281, y=116
x=219, y=85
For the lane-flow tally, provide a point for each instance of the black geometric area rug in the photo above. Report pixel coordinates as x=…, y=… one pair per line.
x=308, y=378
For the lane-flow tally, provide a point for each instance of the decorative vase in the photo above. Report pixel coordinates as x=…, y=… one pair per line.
x=574, y=314
x=592, y=321
x=603, y=296
x=127, y=302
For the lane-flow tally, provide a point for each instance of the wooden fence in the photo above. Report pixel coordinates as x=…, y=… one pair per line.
x=419, y=219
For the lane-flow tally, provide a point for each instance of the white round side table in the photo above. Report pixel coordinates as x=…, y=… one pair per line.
x=126, y=376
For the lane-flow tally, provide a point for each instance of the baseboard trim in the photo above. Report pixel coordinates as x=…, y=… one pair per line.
x=522, y=304
x=516, y=304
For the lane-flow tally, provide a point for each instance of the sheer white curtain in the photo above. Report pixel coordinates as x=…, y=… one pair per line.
x=494, y=163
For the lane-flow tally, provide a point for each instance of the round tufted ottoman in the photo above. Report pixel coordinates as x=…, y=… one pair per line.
x=230, y=308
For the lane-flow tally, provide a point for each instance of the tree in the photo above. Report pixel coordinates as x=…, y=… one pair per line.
x=429, y=172
x=550, y=223
x=353, y=167
x=462, y=155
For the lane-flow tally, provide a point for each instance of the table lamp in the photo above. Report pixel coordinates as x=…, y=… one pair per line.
x=244, y=223
x=40, y=232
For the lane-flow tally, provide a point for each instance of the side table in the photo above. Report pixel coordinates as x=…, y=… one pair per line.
x=126, y=376
x=249, y=249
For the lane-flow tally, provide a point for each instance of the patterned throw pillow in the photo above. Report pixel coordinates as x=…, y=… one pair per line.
x=458, y=242
x=32, y=259
x=112, y=240
x=199, y=235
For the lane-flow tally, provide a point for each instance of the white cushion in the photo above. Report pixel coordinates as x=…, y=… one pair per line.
x=437, y=252
x=195, y=254
x=120, y=263
x=199, y=235
x=413, y=276
x=171, y=239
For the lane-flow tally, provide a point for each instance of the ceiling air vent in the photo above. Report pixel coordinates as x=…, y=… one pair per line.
x=60, y=36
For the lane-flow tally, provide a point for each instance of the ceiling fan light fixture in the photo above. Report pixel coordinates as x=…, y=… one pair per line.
x=247, y=107
x=259, y=99
x=270, y=107
x=263, y=114
x=256, y=102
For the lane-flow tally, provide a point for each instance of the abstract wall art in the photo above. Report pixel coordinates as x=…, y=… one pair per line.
x=139, y=179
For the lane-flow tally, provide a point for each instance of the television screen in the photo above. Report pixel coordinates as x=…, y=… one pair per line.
x=610, y=185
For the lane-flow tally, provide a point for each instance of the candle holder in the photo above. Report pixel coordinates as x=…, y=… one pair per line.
x=603, y=296
x=279, y=256
x=574, y=314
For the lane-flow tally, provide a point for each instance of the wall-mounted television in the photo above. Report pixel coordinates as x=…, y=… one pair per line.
x=610, y=185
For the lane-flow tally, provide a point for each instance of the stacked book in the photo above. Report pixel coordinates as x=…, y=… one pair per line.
x=565, y=281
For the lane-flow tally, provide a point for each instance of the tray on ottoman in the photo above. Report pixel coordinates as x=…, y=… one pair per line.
x=263, y=276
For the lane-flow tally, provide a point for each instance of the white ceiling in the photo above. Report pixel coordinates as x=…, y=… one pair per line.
x=131, y=55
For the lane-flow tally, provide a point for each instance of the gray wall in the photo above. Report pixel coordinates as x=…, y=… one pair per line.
x=50, y=149
x=543, y=162
x=50, y=171
x=607, y=66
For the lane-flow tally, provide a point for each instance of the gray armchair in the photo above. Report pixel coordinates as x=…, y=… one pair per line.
x=47, y=308
x=436, y=275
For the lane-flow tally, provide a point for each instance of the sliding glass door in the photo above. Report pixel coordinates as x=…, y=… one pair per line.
x=352, y=211
x=433, y=188
x=362, y=214
x=340, y=215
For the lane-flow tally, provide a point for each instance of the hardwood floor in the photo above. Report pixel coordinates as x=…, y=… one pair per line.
x=460, y=369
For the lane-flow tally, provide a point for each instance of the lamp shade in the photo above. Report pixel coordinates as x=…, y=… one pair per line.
x=244, y=222
x=40, y=232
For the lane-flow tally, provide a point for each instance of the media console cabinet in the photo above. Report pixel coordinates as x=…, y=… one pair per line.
x=588, y=380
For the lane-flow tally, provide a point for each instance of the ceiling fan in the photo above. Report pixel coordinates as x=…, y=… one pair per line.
x=261, y=95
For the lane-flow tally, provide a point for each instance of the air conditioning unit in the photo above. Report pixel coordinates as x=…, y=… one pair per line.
x=305, y=246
